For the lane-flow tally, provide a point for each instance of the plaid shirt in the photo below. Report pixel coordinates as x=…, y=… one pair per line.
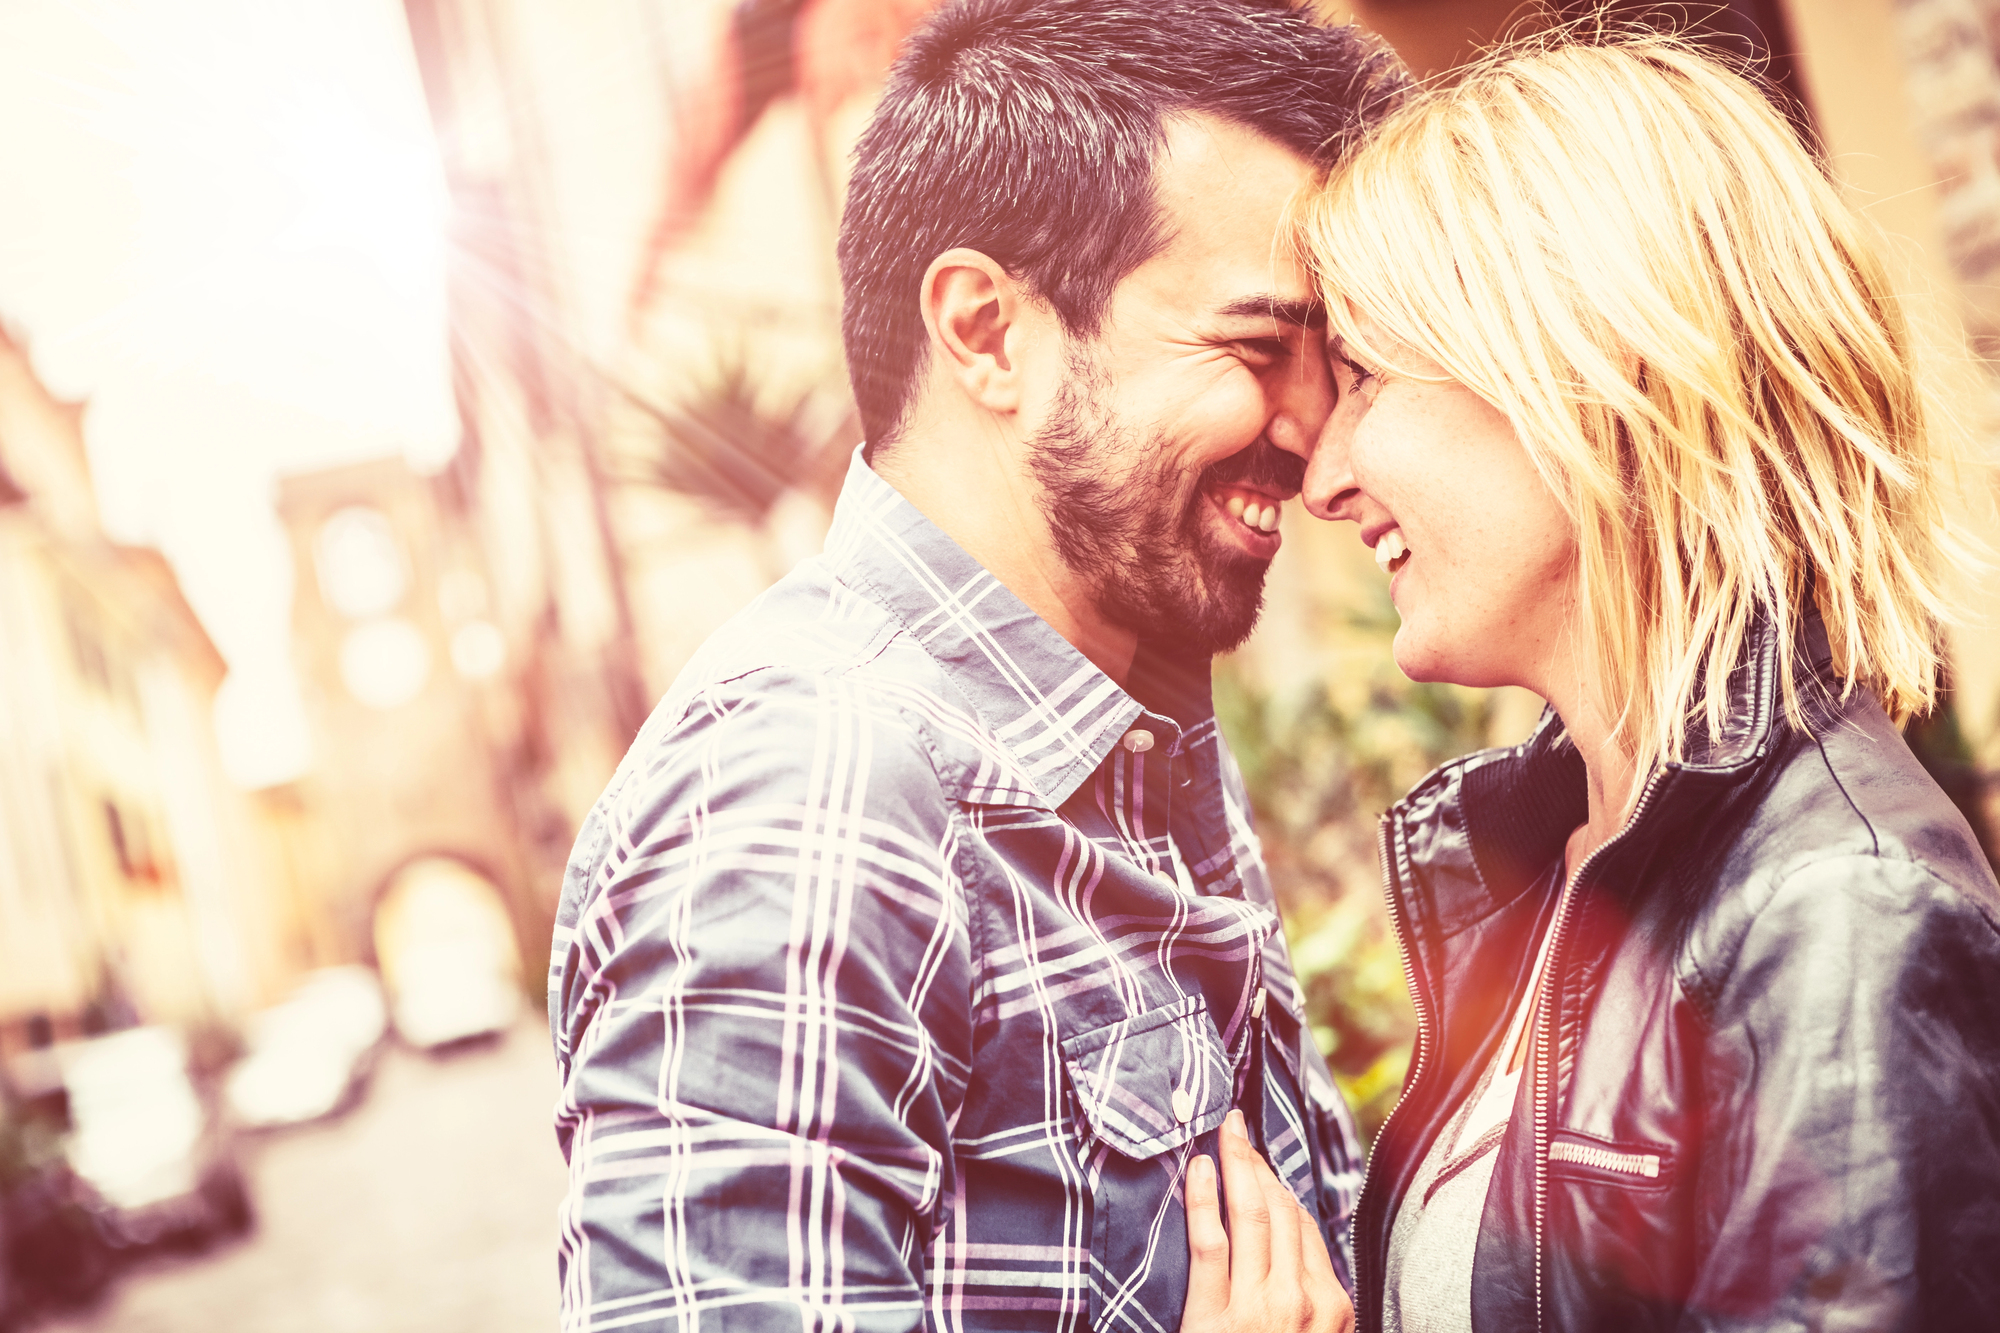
x=905, y=962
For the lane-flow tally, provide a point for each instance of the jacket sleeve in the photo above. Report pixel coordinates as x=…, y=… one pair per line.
x=760, y=1002
x=1851, y=1145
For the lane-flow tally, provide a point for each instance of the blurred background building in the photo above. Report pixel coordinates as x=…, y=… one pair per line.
x=130, y=867
x=650, y=419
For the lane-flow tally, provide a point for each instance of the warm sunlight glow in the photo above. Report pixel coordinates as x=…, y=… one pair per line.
x=226, y=230
x=360, y=188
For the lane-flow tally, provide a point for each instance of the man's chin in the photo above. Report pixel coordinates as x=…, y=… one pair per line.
x=1229, y=631
x=1236, y=600
x=1219, y=621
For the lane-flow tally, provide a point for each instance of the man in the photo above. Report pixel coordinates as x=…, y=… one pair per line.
x=921, y=940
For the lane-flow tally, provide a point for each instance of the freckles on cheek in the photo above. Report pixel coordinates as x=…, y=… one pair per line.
x=1373, y=460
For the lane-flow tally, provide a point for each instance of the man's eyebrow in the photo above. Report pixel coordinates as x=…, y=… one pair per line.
x=1304, y=314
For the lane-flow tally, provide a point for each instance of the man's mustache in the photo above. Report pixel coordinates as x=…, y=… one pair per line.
x=1262, y=465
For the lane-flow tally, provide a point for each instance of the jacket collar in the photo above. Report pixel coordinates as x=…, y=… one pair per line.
x=1046, y=703
x=1517, y=805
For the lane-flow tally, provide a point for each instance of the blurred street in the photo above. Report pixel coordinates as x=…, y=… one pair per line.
x=431, y=1206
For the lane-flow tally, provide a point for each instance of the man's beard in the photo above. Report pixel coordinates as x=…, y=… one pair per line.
x=1130, y=524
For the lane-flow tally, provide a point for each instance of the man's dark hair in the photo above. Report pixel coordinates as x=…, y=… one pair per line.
x=1028, y=130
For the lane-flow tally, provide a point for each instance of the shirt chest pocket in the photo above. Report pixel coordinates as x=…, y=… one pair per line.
x=1144, y=1088
x=1149, y=1084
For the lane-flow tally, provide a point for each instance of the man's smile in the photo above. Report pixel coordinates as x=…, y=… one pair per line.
x=1250, y=513
x=1249, y=489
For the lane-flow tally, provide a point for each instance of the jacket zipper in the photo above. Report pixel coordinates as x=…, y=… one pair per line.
x=1419, y=996
x=1542, y=1049
x=1645, y=1164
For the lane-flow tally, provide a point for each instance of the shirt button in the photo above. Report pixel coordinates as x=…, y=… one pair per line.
x=1138, y=740
x=1183, y=1105
x=1257, y=1005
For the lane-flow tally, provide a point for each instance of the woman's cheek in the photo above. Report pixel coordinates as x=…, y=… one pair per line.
x=1374, y=460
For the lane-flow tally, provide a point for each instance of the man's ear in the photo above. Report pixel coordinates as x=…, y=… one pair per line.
x=971, y=307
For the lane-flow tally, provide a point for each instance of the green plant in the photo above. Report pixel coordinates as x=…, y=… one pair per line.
x=733, y=444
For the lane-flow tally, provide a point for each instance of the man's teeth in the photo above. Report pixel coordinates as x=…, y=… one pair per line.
x=1262, y=517
x=1389, y=548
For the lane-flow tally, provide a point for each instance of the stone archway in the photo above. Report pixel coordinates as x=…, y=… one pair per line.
x=444, y=940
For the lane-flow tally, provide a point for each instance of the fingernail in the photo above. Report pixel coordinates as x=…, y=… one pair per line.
x=1234, y=1123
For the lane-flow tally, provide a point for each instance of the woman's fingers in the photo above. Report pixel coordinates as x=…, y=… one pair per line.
x=1249, y=1207
x=1208, y=1248
x=1315, y=1263
x=1270, y=1271
x=1327, y=1305
x=1282, y=1207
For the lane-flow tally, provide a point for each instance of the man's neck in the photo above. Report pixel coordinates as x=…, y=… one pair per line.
x=976, y=486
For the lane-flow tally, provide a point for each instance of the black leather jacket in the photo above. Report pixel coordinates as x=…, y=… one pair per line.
x=1765, y=1090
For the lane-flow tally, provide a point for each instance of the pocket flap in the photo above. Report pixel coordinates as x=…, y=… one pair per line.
x=1151, y=1083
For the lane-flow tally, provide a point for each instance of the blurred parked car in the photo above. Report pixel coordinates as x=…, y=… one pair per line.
x=310, y=1056
x=51, y=1253
x=158, y=1157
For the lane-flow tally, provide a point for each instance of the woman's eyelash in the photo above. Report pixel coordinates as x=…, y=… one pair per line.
x=1362, y=374
x=1337, y=349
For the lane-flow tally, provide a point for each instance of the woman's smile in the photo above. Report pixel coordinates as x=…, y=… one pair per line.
x=1420, y=461
x=1391, y=551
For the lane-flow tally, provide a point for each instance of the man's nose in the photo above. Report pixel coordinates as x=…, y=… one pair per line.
x=1301, y=402
x=1330, y=490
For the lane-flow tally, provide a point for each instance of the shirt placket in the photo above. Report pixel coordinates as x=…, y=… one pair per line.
x=1200, y=833
x=1145, y=778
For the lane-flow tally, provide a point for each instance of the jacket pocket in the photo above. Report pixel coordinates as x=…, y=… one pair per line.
x=1149, y=1084
x=1585, y=1157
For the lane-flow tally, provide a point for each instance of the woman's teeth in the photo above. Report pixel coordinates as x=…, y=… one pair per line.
x=1389, y=548
x=1264, y=518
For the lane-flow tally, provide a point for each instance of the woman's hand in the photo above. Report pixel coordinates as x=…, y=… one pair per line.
x=1276, y=1276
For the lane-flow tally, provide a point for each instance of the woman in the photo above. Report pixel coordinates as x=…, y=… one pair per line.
x=1706, y=971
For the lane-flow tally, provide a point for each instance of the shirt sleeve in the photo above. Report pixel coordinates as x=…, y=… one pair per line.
x=760, y=1000
x=1851, y=1159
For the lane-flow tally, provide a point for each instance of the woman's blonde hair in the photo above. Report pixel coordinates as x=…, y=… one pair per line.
x=1626, y=250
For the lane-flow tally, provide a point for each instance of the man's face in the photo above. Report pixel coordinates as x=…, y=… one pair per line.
x=1193, y=410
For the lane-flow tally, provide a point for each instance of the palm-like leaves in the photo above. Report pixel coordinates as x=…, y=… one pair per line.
x=734, y=447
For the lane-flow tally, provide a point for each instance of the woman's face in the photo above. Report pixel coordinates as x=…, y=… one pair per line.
x=1479, y=553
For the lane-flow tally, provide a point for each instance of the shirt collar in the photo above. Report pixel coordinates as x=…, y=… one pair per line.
x=1044, y=701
